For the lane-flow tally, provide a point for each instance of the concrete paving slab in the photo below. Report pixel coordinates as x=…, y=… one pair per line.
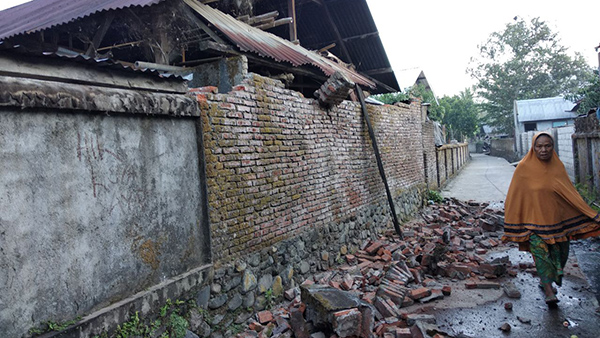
x=484, y=179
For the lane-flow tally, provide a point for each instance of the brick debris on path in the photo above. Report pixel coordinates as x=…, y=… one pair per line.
x=383, y=289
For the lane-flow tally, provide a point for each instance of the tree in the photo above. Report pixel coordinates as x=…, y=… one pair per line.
x=391, y=98
x=588, y=95
x=525, y=61
x=461, y=115
x=415, y=91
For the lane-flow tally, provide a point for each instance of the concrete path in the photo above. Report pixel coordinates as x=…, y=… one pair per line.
x=484, y=179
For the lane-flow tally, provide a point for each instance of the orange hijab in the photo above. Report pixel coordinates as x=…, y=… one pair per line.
x=542, y=200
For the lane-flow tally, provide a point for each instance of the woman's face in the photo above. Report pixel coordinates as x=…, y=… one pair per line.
x=543, y=147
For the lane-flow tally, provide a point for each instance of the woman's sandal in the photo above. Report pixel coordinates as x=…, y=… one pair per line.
x=552, y=300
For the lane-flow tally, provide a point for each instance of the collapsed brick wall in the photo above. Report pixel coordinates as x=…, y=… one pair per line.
x=277, y=164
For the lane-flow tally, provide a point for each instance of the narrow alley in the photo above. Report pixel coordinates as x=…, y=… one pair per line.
x=486, y=179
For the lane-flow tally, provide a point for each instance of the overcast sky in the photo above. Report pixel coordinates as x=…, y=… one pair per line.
x=440, y=36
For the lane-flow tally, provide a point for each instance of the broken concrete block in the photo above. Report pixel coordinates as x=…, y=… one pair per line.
x=347, y=323
x=298, y=324
x=511, y=291
x=323, y=302
x=412, y=318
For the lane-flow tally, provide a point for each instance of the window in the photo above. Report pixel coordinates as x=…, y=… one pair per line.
x=557, y=124
x=530, y=126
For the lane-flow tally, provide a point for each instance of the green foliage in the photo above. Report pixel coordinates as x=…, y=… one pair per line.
x=524, y=61
x=391, y=98
x=270, y=299
x=135, y=327
x=177, y=325
x=461, y=115
x=435, y=196
x=436, y=112
x=588, y=94
x=50, y=326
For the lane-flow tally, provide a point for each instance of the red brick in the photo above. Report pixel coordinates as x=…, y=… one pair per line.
x=447, y=290
x=255, y=326
x=264, y=317
x=419, y=293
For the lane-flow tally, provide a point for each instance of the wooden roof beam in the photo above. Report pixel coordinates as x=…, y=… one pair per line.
x=336, y=32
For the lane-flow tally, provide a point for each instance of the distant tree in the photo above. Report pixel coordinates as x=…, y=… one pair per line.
x=417, y=91
x=525, y=61
x=391, y=98
x=436, y=112
x=461, y=115
x=588, y=95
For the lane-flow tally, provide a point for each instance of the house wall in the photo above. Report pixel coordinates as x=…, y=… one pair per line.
x=95, y=205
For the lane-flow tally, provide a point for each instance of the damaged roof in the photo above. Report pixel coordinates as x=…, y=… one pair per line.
x=251, y=39
x=42, y=14
x=39, y=15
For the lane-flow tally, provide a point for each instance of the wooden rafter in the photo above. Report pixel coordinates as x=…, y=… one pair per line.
x=97, y=39
x=336, y=31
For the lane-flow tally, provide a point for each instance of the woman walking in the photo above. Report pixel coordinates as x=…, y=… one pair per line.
x=544, y=211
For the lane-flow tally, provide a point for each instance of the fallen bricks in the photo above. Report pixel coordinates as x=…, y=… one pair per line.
x=366, y=297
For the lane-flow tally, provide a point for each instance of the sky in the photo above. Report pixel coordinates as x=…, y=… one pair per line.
x=439, y=37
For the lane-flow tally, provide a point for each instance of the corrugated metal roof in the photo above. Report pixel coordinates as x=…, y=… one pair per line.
x=552, y=108
x=250, y=39
x=37, y=15
x=356, y=27
x=103, y=62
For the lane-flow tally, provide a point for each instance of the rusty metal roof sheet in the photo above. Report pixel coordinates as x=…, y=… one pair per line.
x=250, y=39
x=37, y=15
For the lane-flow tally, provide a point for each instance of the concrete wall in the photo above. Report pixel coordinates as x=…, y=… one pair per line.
x=93, y=207
x=450, y=159
x=430, y=156
x=505, y=148
x=564, y=149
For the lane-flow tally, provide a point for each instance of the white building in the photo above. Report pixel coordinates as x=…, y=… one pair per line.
x=543, y=114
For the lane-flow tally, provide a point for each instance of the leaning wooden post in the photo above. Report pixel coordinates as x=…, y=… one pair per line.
x=361, y=97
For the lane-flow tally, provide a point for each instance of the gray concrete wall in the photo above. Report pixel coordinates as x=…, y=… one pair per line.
x=93, y=208
x=565, y=148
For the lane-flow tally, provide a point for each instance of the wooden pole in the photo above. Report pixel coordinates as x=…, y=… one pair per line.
x=361, y=98
x=292, y=14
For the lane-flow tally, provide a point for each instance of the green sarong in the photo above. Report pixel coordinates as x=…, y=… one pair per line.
x=549, y=259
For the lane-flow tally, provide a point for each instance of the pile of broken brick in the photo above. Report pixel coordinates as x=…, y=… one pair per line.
x=367, y=297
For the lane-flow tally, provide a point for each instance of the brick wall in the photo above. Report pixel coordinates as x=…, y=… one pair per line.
x=278, y=164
